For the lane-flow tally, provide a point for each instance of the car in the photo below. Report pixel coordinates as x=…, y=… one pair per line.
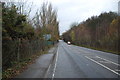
x=68, y=42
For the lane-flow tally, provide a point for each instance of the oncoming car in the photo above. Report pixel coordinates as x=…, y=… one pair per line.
x=68, y=43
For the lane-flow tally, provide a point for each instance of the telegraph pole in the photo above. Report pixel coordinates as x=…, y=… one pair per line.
x=119, y=8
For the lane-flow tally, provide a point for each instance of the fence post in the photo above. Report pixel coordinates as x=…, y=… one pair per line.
x=18, y=54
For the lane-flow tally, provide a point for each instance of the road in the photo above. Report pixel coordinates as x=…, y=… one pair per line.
x=78, y=62
x=70, y=61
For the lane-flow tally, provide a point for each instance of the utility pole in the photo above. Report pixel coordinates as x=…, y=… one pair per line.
x=119, y=8
x=18, y=53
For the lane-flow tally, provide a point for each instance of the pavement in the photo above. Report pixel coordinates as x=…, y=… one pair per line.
x=39, y=68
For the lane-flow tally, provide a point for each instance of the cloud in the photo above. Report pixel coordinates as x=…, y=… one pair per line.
x=79, y=10
x=70, y=11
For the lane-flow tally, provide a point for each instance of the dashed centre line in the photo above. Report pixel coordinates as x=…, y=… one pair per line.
x=103, y=66
x=109, y=61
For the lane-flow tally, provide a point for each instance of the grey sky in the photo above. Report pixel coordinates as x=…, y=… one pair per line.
x=70, y=11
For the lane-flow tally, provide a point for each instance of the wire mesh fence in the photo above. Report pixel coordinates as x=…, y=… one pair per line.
x=17, y=50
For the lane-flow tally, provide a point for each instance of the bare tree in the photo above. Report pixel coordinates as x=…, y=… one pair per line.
x=46, y=19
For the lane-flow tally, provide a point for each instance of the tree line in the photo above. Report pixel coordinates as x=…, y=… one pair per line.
x=23, y=36
x=100, y=32
x=17, y=24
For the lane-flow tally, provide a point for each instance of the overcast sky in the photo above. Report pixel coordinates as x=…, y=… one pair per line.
x=70, y=11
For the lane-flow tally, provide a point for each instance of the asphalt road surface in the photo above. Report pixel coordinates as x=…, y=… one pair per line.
x=70, y=61
x=77, y=62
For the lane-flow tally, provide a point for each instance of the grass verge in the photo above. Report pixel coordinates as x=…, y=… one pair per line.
x=114, y=52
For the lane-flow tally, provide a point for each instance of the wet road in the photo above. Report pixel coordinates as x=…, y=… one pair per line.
x=78, y=62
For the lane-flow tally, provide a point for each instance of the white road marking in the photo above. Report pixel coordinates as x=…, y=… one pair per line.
x=108, y=61
x=103, y=66
x=48, y=69
x=53, y=75
x=117, y=70
x=87, y=64
x=104, y=62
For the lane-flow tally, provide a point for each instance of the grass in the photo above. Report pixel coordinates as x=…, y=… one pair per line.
x=22, y=65
x=100, y=49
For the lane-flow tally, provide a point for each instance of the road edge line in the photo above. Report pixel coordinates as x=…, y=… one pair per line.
x=103, y=65
x=109, y=61
x=53, y=75
x=45, y=75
